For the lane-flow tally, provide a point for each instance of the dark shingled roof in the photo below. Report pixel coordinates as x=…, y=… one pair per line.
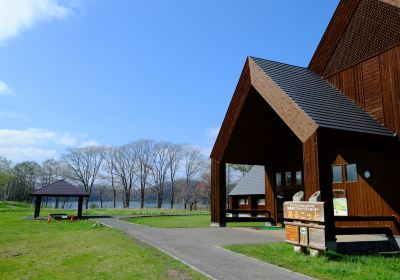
x=252, y=183
x=323, y=103
x=60, y=188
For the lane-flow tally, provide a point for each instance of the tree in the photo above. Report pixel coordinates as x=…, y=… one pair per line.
x=143, y=150
x=108, y=154
x=50, y=172
x=174, y=152
x=159, y=169
x=242, y=168
x=194, y=163
x=126, y=166
x=6, y=178
x=82, y=165
x=26, y=178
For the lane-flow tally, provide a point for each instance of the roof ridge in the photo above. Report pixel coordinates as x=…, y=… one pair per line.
x=275, y=61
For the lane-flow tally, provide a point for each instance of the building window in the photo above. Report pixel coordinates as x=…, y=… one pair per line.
x=337, y=174
x=278, y=179
x=261, y=201
x=351, y=172
x=243, y=201
x=288, y=178
x=299, y=179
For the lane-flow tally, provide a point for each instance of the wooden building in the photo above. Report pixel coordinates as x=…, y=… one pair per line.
x=249, y=193
x=332, y=127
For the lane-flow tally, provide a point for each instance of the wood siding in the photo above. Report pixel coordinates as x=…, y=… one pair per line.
x=358, y=30
x=376, y=196
x=374, y=85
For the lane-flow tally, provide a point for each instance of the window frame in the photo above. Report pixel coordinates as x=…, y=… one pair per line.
x=341, y=173
x=345, y=168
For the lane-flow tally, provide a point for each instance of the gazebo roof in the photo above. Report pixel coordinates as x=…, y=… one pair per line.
x=60, y=188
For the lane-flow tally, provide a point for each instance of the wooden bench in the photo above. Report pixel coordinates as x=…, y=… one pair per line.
x=252, y=212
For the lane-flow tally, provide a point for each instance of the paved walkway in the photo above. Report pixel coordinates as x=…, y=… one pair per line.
x=200, y=249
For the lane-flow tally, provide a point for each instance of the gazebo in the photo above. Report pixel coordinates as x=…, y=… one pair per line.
x=60, y=188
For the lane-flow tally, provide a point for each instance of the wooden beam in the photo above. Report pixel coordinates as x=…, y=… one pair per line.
x=218, y=193
x=270, y=193
x=291, y=113
x=38, y=201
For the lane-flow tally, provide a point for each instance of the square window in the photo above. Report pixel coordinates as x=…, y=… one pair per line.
x=351, y=172
x=243, y=201
x=261, y=201
x=278, y=179
x=288, y=178
x=299, y=179
x=337, y=174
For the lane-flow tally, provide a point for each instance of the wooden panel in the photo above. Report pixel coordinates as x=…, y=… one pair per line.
x=372, y=88
x=375, y=86
x=294, y=117
x=310, y=166
x=357, y=31
x=235, y=106
x=376, y=196
x=332, y=35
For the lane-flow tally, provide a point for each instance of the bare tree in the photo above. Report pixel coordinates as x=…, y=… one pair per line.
x=126, y=166
x=109, y=154
x=159, y=169
x=174, y=152
x=143, y=152
x=194, y=163
x=50, y=172
x=82, y=165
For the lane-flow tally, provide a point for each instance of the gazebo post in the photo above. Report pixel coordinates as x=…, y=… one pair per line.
x=38, y=201
x=80, y=202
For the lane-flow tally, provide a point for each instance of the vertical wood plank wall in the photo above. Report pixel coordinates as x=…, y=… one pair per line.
x=376, y=196
x=270, y=193
x=310, y=166
x=374, y=85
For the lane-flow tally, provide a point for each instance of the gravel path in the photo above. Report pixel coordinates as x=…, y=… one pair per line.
x=200, y=248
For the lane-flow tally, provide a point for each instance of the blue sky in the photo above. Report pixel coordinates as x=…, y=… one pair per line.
x=77, y=72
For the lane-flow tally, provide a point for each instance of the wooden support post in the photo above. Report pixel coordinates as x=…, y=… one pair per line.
x=38, y=201
x=80, y=203
x=218, y=193
x=270, y=193
x=317, y=177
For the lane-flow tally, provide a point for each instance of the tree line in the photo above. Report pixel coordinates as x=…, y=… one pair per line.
x=144, y=167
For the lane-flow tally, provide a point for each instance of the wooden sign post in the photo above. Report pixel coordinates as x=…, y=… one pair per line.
x=304, y=224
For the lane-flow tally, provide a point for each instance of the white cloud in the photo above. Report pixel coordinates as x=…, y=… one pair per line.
x=212, y=133
x=17, y=154
x=17, y=15
x=4, y=88
x=35, y=143
x=90, y=143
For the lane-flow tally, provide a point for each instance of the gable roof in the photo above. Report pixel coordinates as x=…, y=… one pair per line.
x=252, y=183
x=302, y=100
x=60, y=188
x=359, y=29
x=322, y=102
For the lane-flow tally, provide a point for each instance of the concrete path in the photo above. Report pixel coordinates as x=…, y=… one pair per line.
x=200, y=249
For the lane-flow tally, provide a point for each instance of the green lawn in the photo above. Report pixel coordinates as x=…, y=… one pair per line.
x=76, y=250
x=195, y=221
x=330, y=266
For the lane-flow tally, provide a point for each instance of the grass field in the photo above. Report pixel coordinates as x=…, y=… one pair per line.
x=196, y=221
x=76, y=250
x=331, y=266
